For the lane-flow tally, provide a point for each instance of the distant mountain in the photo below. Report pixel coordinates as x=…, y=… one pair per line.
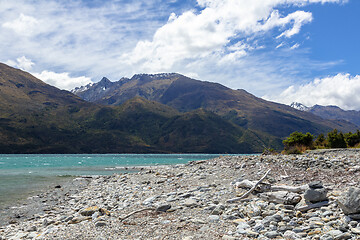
x=331, y=112
x=237, y=106
x=38, y=118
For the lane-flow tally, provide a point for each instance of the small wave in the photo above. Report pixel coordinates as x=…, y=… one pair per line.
x=46, y=164
x=110, y=168
x=79, y=162
x=2, y=163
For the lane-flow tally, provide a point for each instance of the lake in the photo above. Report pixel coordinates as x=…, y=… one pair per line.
x=22, y=175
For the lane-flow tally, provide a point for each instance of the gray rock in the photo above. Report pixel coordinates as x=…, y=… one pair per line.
x=242, y=227
x=354, y=216
x=291, y=235
x=315, y=195
x=272, y=234
x=214, y=218
x=343, y=236
x=227, y=237
x=100, y=224
x=316, y=185
x=259, y=227
x=349, y=201
x=335, y=233
x=190, y=202
x=163, y=208
x=31, y=229
x=150, y=200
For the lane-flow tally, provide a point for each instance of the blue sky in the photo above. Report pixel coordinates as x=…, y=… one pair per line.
x=281, y=50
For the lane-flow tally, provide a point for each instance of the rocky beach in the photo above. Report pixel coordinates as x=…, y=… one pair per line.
x=315, y=195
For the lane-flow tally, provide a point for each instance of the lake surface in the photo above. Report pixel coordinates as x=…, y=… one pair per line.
x=22, y=175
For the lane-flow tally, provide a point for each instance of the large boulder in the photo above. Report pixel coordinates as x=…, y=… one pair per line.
x=349, y=201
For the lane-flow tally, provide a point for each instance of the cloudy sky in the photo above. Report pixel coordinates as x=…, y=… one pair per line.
x=283, y=50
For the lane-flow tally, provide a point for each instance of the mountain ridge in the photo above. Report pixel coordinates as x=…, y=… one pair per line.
x=238, y=106
x=331, y=112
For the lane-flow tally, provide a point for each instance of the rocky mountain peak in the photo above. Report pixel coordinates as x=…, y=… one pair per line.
x=300, y=106
x=144, y=76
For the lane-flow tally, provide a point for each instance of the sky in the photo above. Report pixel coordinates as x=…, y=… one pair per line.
x=286, y=51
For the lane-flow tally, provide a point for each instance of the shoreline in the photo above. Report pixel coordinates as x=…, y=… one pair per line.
x=197, y=193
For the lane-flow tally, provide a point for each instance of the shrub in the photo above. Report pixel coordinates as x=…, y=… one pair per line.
x=298, y=142
x=352, y=139
x=320, y=141
x=336, y=139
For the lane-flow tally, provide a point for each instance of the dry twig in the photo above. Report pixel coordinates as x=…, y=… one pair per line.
x=137, y=211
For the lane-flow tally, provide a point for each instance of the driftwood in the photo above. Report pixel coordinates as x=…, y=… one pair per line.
x=245, y=195
x=312, y=206
x=137, y=211
x=267, y=187
x=282, y=197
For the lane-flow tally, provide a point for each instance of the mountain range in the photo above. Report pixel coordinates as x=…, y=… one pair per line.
x=330, y=112
x=160, y=113
x=185, y=94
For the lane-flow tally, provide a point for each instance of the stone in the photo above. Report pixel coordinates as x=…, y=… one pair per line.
x=316, y=185
x=89, y=211
x=227, y=237
x=349, y=201
x=259, y=227
x=104, y=211
x=290, y=235
x=252, y=234
x=150, y=200
x=355, y=231
x=79, y=219
x=242, y=227
x=163, y=208
x=314, y=195
x=354, y=216
x=214, y=218
x=197, y=221
x=19, y=235
x=335, y=233
x=343, y=236
x=100, y=224
x=272, y=234
x=31, y=229
x=190, y=202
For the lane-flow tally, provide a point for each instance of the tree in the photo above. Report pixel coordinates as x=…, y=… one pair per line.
x=336, y=139
x=320, y=141
x=352, y=139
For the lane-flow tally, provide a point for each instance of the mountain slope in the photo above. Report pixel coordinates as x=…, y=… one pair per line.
x=38, y=118
x=238, y=106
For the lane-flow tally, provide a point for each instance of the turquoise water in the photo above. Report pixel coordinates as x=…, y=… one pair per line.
x=23, y=175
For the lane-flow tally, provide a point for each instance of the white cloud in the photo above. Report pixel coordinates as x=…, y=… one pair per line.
x=23, y=25
x=62, y=80
x=22, y=63
x=197, y=35
x=341, y=90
